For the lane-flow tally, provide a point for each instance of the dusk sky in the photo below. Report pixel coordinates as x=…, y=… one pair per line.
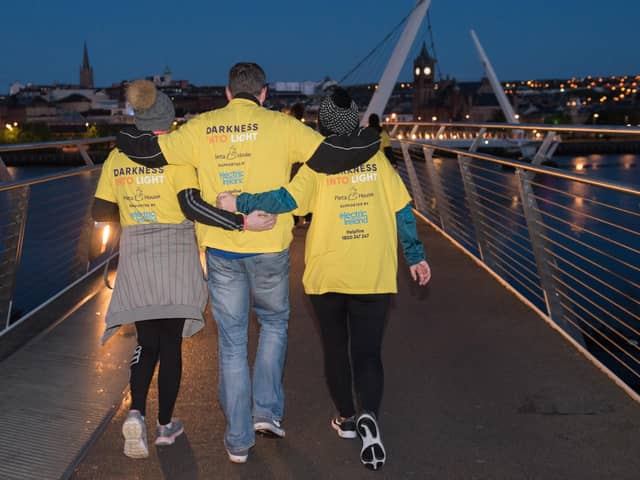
x=301, y=40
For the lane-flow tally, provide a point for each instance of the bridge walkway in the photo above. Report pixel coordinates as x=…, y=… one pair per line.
x=477, y=387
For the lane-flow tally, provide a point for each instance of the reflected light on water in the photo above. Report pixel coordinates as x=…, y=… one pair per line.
x=578, y=220
x=627, y=161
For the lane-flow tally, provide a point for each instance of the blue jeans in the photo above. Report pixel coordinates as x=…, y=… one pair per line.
x=231, y=281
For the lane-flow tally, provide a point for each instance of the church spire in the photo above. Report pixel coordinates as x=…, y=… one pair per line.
x=85, y=57
x=86, y=71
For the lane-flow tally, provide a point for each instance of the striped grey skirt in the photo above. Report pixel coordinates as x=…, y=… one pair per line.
x=159, y=276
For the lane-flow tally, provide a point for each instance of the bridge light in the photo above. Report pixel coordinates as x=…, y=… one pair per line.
x=106, y=231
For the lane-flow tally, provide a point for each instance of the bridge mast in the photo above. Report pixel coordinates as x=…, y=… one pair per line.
x=398, y=57
x=505, y=105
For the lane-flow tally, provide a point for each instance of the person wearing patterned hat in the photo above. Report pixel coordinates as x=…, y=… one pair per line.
x=350, y=268
x=156, y=208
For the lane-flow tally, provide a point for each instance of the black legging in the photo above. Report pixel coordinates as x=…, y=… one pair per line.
x=157, y=340
x=355, y=324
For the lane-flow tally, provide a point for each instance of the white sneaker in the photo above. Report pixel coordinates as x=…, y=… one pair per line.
x=269, y=428
x=373, y=454
x=239, y=457
x=135, y=436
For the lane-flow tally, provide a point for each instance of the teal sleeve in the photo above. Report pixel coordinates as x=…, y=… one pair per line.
x=408, y=235
x=274, y=201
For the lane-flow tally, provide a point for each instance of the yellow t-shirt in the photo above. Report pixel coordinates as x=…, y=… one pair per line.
x=385, y=140
x=352, y=242
x=242, y=147
x=144, y=195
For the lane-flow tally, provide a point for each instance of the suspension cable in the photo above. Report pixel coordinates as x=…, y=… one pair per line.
x=377, y=47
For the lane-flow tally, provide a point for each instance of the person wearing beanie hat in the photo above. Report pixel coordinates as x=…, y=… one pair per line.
x=155, y=208
x=350, y=269
x=153, y=110
x=338, y=114
x=247, y=147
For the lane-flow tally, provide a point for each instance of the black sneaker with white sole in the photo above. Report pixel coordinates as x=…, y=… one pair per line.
x=344, y=427
x=372, y=454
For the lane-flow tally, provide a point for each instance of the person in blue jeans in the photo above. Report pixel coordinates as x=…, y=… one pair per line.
x=245, y=147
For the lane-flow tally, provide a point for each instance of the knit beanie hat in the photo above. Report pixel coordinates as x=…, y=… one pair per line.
x=338, y=114
x=153, y=109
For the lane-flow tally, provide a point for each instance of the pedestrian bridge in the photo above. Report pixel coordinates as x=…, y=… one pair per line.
x=483, y=380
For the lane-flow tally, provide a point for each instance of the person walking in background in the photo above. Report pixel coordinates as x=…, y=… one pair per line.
x=350, y=269
x=297, y=111
x=160, y=285
x=245, y=147
x=385, y=141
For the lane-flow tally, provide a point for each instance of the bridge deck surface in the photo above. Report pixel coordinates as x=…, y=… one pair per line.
x=477, y=387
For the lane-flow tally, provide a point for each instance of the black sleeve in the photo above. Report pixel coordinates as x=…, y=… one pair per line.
x=388, y=151
x=103, y=211
x=141, y=147
x=343, y=152
x=196, y=209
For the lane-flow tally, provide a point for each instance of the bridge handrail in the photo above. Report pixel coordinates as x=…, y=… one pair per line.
x=567, y=244
x=48, y=178
x=610, y=184
x=15, y=147
x=609, y=129
x=53, y=211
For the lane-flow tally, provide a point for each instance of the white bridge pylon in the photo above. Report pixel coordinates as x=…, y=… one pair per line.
x=390, y=75
x=505, y=105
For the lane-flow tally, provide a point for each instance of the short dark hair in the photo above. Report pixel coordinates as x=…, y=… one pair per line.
x=247, y=78
x=297, y=110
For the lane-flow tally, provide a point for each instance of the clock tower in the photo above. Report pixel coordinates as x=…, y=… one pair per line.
x=423, y=82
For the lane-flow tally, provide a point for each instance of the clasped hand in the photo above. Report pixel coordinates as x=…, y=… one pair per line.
x=256, y=220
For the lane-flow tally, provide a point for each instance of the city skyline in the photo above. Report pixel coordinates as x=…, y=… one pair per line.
x=199, y=44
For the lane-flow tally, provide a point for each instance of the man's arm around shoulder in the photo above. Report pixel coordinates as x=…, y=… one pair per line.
x=338, y=153
x=141, y=147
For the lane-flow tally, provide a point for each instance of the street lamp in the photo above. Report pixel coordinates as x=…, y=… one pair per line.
x=595, y=117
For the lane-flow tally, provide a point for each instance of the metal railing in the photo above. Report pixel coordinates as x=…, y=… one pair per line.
x=566, y=243
x=48, y=241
